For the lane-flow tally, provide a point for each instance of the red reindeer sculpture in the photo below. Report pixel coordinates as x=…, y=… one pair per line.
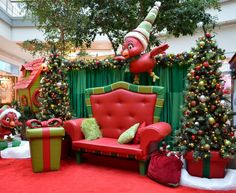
x=8, y=121
x=136, y=42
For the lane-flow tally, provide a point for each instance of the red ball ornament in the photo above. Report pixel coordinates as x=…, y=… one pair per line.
x=192, y=72
x=206, y=64
x=218, y=86
x=208, y=35
x=200, y=132
x=193, y=137
x=198, y=67
x=197, y=77
x=186, y=113
x=193, y=103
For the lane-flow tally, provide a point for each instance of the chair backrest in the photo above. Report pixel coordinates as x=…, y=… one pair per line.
x=118, y=106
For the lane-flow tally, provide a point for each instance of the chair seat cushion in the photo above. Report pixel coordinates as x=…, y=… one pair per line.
x=108, y=145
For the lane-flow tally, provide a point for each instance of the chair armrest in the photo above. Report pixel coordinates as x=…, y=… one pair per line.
x=73, y=128
x=153, y=133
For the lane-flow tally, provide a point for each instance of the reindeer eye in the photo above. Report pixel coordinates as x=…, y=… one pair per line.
x=7, y=119
x=130, y=46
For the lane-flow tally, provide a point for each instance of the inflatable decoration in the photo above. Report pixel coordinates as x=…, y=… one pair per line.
x=8, y=121
x=136, y=42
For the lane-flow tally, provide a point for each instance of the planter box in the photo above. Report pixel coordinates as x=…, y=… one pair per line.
x=213, y=167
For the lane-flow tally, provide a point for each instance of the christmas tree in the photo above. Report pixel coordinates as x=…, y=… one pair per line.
x=206, y=121
x=54, y=90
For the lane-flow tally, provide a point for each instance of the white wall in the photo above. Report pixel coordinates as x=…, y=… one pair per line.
x=227, y=12
x=26, y=33
x=225, y=32
x=5, y=29
x=224, y=35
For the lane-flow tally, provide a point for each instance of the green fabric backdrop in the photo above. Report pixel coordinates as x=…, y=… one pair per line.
x=172, y=78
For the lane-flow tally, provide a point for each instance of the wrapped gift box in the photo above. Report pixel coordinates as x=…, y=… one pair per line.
x=45, y=147
x=213, y=167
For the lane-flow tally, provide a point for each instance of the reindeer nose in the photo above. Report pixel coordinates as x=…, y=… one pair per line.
x=125, y=53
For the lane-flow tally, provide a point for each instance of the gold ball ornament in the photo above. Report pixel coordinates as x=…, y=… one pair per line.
x=207, y=147
x=201, y=43
x=211, y=120
x=227, y=142
x=191, y=145
x=224, y=118
x=201, y=83
x=223, y=57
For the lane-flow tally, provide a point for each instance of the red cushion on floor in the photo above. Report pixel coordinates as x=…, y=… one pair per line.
x=165, y=169
x=109, y=145
x=137, y=135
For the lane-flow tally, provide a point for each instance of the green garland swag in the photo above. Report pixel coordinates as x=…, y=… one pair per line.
x=165, y=60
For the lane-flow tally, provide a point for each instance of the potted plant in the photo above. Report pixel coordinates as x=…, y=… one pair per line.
x=206, y=136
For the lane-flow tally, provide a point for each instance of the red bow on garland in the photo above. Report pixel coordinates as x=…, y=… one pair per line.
x=34, y=123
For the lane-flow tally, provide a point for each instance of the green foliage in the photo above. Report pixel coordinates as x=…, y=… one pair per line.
x=61, y=21
x=108, y=63
x=78, y=22
x=166, y=60
x=206, y=123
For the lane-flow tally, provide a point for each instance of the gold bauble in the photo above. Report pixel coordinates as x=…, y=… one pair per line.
x=201, y=83
x=227, y=142
x=207, y=147
x=191, y=145
x=211, y=120
x=225, y=118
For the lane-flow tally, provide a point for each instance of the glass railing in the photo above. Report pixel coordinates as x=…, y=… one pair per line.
x=12, y=8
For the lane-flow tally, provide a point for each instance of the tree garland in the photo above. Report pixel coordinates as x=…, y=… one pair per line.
x=170, y=60
x=165, y=60
x=108, y=63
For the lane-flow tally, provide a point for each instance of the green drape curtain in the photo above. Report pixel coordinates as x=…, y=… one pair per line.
x=82, y=79
x=172, y=78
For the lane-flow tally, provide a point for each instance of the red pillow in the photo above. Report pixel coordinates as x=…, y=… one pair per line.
x=165, y=169
x=138, y=132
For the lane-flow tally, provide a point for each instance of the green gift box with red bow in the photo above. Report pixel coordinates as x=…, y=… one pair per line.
x=45, y=143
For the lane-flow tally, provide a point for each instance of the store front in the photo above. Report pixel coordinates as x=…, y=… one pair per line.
x=8, y=78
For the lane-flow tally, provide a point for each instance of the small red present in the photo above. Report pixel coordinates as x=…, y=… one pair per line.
x=165, y=168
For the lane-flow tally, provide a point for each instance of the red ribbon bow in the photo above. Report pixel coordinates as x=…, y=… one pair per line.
x=34, y=123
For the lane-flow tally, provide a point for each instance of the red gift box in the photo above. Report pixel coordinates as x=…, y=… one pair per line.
x=213, y=167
